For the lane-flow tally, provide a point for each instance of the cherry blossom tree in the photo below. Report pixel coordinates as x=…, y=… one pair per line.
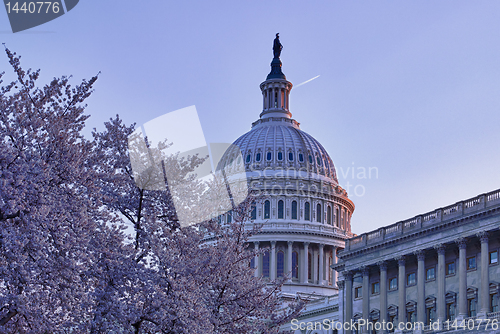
x=54, y=232
x=87, y=248
x=201, y=280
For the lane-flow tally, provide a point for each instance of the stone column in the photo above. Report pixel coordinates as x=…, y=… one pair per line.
x=366, y=296
x=421, y=288
x=272, y=265
x=334, y=261
x=441, y=277
x=401, y=291
x=321, y=279
x=306, y=264
x=314, y=266
x=342, y=299
x=289, y=262
x=383, y=291
x=256, y=259
x=348, y=299
x=484, y=295
x=462, y=279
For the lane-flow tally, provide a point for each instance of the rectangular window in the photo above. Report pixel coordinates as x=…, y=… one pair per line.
x=410, y=316
x=375, y=288
x=430, y=274
x=494, y=257
x=450, y=268
x=494, y=303
x=471, y=263
x=358, y=292
x=471, y=303
x=393, y=283
x=450, y=311
x=411, y=279
x=392, y=319
x=431, y=315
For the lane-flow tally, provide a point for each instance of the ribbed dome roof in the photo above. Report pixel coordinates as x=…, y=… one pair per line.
x=279, y=142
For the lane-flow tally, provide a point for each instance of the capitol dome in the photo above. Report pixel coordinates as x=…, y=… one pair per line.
x=279, y=142
x=304, y=213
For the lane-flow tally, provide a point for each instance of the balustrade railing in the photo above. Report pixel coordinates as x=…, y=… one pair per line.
x=375, y=235
x=410, y=223
x=493, y=196
x=430, y=218
x=391, y=229
x=450, y=209
x=494, y=315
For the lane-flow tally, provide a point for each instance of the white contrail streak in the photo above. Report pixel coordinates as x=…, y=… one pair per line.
x=300, y=84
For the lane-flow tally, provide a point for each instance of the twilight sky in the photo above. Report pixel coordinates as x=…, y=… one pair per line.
x=411, y=88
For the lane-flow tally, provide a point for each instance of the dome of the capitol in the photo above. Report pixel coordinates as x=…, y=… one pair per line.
x=304, y=214
x=279, y=142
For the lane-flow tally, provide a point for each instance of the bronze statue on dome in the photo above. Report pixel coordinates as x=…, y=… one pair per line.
x=277, y=47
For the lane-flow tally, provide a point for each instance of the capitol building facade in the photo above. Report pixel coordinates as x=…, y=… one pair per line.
x=440, y=267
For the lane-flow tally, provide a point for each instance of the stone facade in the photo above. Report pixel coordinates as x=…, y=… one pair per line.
x=435, y=268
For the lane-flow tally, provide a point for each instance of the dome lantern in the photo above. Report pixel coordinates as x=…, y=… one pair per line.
x=276, y=89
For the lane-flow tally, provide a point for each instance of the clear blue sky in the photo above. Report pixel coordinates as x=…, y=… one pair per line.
x=409, y=87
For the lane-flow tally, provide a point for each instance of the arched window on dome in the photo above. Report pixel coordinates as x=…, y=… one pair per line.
x=267, y=209
x=281, y=263
x=294, y=209
x=281, y=209
x=257, y=157
x=290, y=156
x=248, y=158
x=307, y=209
x=318, y=213
x=310, y=159
x=301, y=157
x=318, y=160
x=280, y=155
x=265, y=264
x=269, y=156
x=329, y=215
x=309, y=266
x=253, y=214
x=295, y=265
x=337, y=217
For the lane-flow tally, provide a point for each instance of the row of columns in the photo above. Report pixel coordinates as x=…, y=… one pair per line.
x=283, y=98
x=441, y=276
x=304, y=273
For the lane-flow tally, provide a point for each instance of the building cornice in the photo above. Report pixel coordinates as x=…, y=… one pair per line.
x=460, y=213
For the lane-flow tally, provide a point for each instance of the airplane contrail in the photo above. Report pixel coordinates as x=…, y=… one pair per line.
x=303, y=83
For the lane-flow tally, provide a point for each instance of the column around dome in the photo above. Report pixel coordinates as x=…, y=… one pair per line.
x=276, y=98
